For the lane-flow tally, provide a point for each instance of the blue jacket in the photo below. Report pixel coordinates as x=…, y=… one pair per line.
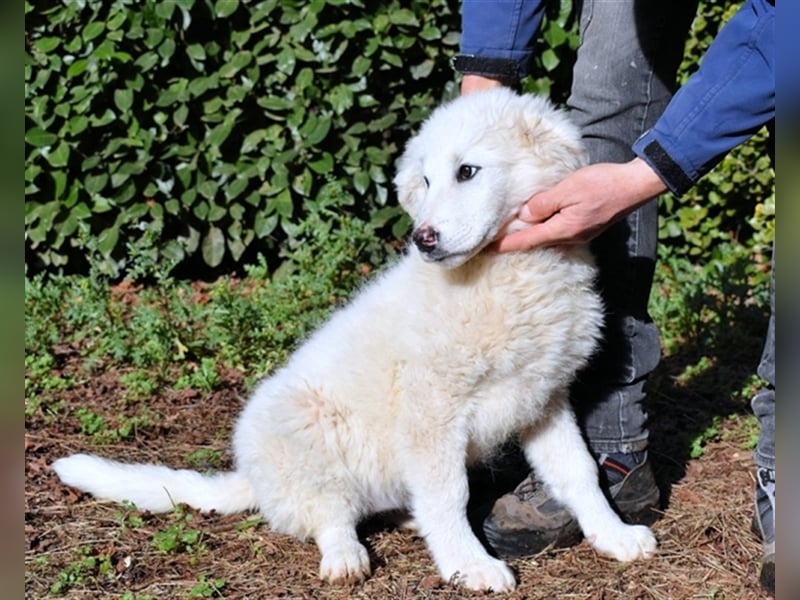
x=728, y=99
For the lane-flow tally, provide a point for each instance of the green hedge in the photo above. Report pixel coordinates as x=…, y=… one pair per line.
x=199, y=127
x=735, y=202
x=204, y=132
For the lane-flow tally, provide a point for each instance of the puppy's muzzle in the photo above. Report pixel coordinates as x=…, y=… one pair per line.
x=426, y=238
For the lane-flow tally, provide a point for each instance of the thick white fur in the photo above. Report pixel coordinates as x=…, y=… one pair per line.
x=432, y=366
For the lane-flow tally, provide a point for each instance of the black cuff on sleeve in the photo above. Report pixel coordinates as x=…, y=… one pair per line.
x=672, y=174
x=505, y=70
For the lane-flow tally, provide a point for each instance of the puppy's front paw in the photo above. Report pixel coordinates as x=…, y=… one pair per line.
x=625, y=543
x=489, y=574
x=346, y=564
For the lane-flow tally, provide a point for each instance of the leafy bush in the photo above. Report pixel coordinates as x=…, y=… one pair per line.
x=201, y=133
x=215, y=124
x=736, y=200
x=181, y=332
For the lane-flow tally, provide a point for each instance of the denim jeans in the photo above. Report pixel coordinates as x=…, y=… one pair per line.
x=764, y=401
x=623, y=78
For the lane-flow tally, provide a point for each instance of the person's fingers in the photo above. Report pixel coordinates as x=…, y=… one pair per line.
x=540, y=207
x=541, y=234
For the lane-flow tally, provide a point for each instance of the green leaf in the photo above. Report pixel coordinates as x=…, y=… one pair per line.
x=92, y=30
x=46, y=45
x=225, y=8
x=216, y=212
x=78, y=124
x=60, y=156
x=220, y=133
x=213, y=247
x=264, y=224
x=239, y=61
x=236, y=187
x=554, y=36
x=286, y=60
x=196, y=52
x=165, y=9
x=403, y=16
x=36, y=136
x=95, y=184
x=147, y=61
x=116, y=21
x=180, y=114
x=361, y=181
x=323, y=165
x=60, y=181
x=273, y=103
x=198, y=87
x=430, y=33
x=253, y=140
x=123, y=99
x=282, y=204
x=208, y=189
x=422, y=70
x=361, y=65
x=107, y=240
x=166, y=50
x=550, y=59
x=77, y=67
x=341, y=98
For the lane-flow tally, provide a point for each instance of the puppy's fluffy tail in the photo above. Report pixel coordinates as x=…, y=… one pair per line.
x=155, y=488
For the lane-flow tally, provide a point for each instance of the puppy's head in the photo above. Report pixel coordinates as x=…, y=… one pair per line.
x=474, y=162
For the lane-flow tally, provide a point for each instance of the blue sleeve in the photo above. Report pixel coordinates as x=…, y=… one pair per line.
x=728, y=99
x=500, y=29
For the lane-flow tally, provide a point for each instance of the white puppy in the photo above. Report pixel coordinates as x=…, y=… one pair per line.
x=436, y=363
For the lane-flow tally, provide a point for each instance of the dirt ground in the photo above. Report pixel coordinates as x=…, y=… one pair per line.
x=80, y=548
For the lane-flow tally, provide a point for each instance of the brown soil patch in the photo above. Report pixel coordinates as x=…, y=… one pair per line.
x=706, y=547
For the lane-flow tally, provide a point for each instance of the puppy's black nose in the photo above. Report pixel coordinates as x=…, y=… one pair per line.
x=425, y=238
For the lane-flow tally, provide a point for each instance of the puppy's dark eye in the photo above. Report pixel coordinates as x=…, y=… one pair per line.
x=427, y=183
x=466, y=172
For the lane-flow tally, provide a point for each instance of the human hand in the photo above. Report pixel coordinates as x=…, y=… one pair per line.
x=583, y=205
x=477, y=83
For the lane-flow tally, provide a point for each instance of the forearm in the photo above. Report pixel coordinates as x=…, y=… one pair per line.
x=497, y=38
x=729, y=98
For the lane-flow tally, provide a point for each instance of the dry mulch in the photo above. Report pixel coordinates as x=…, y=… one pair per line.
x=706, y=547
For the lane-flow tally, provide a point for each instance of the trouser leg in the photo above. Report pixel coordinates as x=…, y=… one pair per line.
x=763, y=403
x=622, y=80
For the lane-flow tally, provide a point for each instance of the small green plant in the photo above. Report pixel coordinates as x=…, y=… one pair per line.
x=91, y=423
x=101, y=431
x=205, y=588
x=205, y=459
x=89, y=566
x=710, y=434
x=133, y=596
x=742, y=430
x=139, y=384
x=129, y=425
x=129, y=517
x=202, y=376
x=703, y=365
x=179, y=537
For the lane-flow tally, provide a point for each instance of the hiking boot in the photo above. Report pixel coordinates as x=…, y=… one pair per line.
x=764, y=526
x=528, y=520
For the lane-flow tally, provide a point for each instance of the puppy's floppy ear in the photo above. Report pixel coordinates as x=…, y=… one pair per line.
x=410, y=179
x=548, y=132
